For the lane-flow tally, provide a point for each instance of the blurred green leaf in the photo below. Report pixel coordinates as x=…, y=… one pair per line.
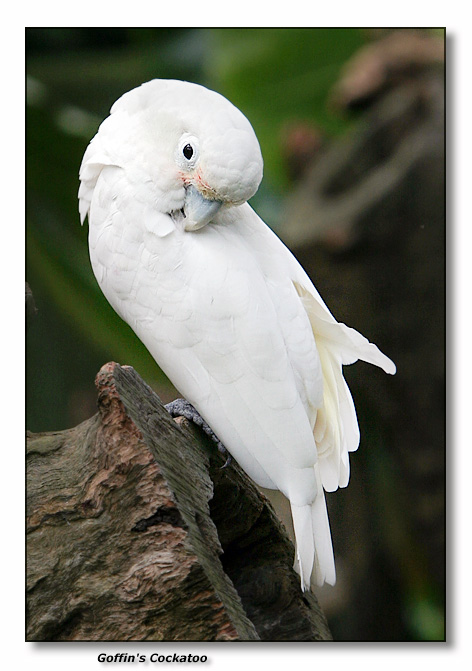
x=426, y=618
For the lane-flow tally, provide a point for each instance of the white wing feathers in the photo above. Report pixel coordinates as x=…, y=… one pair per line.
x=336, y=429
x=335, y=426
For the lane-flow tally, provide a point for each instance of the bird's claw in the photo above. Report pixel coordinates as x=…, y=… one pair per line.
x=222, y=450
x=182, y=408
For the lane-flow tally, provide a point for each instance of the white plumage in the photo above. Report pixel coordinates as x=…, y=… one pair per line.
x=222, y=305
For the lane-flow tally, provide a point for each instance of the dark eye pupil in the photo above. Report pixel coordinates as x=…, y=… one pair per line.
x=188, y=151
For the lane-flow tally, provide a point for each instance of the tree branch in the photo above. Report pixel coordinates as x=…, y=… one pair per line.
x=135, y=532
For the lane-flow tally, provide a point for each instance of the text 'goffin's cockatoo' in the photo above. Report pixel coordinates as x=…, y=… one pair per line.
x=221, y=304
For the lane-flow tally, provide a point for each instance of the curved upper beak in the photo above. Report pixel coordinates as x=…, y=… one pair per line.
x=198, y=210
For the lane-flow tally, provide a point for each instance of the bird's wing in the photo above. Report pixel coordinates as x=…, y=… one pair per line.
x=335, y=428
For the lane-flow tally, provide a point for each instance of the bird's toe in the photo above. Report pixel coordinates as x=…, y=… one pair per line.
x=182, y=408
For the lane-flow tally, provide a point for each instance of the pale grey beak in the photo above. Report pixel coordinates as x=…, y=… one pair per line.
x=198, y=210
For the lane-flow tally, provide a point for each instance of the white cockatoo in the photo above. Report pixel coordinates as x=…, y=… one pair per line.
x=221, y=304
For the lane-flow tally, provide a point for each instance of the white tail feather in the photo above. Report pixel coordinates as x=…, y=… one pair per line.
x=314, y=548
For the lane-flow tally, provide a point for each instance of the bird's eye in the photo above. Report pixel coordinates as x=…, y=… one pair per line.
x=188, y=151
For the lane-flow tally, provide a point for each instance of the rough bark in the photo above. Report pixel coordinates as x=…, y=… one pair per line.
x=136, y=532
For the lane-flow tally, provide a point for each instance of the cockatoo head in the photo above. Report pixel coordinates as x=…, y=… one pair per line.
x=197, y=151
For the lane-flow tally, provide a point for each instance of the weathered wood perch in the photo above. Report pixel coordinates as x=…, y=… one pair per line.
x=135, y=532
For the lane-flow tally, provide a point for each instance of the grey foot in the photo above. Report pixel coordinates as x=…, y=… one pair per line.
x=182, y=408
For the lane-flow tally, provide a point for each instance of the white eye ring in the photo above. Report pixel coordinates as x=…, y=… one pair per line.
x=187, y=153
